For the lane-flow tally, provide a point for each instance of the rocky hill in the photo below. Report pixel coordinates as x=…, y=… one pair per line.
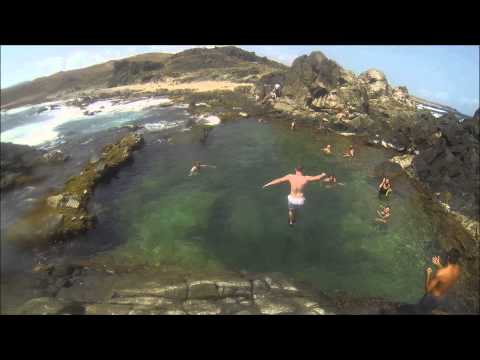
x=445, y=151
x=226, y=63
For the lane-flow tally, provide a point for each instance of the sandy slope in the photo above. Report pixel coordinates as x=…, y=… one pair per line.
x=172, y=85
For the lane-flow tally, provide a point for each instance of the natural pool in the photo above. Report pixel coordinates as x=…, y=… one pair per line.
x=222, y=219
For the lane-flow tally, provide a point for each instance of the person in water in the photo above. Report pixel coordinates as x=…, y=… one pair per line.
x=205, y=134
x=437, y=286
x=385, y=188
x=349, y=152
x=328, y=149
x=293, y=125
x=384, y=215
x=297, y=183
x=197, y=166
x=332, y=181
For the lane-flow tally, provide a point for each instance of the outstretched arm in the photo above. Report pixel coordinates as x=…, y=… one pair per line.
x=316, y=178
x=277, y=181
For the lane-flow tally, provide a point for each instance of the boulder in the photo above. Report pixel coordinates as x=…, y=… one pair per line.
x=55, y=156
x=55, y=201
x=376, y=83
x=388, y=169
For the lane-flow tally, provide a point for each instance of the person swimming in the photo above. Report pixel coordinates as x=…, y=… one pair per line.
x=332, y=181
x=197, y=166
x=385, y=188
x=327, y=149
x=349, y=152
x=297, y=182
x=384, y=215
x=293, y=125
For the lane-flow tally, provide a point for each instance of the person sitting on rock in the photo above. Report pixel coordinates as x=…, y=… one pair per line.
x=349, y=153
x=384, y=215
x=328, y=149
x=197, y=166
x=385, y=188
x=436, y=287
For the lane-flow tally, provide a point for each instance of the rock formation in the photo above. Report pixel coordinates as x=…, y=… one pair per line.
x=65, y=213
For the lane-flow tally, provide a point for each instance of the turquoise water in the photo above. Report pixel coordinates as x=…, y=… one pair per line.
x=222, y=219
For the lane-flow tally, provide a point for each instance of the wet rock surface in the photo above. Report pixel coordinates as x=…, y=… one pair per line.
x=81, y=289
x=65, y=213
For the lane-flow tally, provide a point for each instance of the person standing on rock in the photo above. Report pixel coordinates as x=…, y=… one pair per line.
x=437, y=286
x=297, y=182
x=293, y=125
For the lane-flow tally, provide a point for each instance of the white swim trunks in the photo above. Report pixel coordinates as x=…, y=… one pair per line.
x=295, y=202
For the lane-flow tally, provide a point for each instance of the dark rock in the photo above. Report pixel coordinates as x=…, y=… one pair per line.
x=202, y=290
x=388, y=169
x=55, y=156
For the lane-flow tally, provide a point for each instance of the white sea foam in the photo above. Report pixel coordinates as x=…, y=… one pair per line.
x=42, y=132
x=209, y=120
x=161, y=125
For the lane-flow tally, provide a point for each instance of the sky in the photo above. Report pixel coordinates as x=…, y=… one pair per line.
x=446, y=74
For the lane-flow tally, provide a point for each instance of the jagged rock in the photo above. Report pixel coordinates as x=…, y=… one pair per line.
x=55, y=156
x=405, y=161
x=42, y=306
x=55, y=201
x=376, y=83
x=388, y=169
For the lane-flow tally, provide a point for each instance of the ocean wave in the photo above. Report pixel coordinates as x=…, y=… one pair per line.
x=44, y=132
x=208, y=120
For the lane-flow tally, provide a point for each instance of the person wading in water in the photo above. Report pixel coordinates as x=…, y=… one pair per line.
x=437, y=286
x=297, y=183
x=385, y=188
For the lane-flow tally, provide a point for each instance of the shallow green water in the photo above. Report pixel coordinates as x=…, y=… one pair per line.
x=222, y=219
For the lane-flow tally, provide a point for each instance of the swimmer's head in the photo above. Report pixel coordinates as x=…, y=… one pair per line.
x=453, y=256
x=299, y=168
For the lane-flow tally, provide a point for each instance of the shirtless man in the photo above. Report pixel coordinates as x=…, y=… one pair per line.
x=437, y=286
x=385, y=188
x=297, y=183
x=349, y=153
x=384, y=215
x=328, y=149
x=196, y=168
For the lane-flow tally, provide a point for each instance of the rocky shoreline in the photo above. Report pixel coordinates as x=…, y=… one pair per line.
x=64, y=214
x=439, y=155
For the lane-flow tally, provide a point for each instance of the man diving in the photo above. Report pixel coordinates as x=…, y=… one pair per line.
x=297, y=183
